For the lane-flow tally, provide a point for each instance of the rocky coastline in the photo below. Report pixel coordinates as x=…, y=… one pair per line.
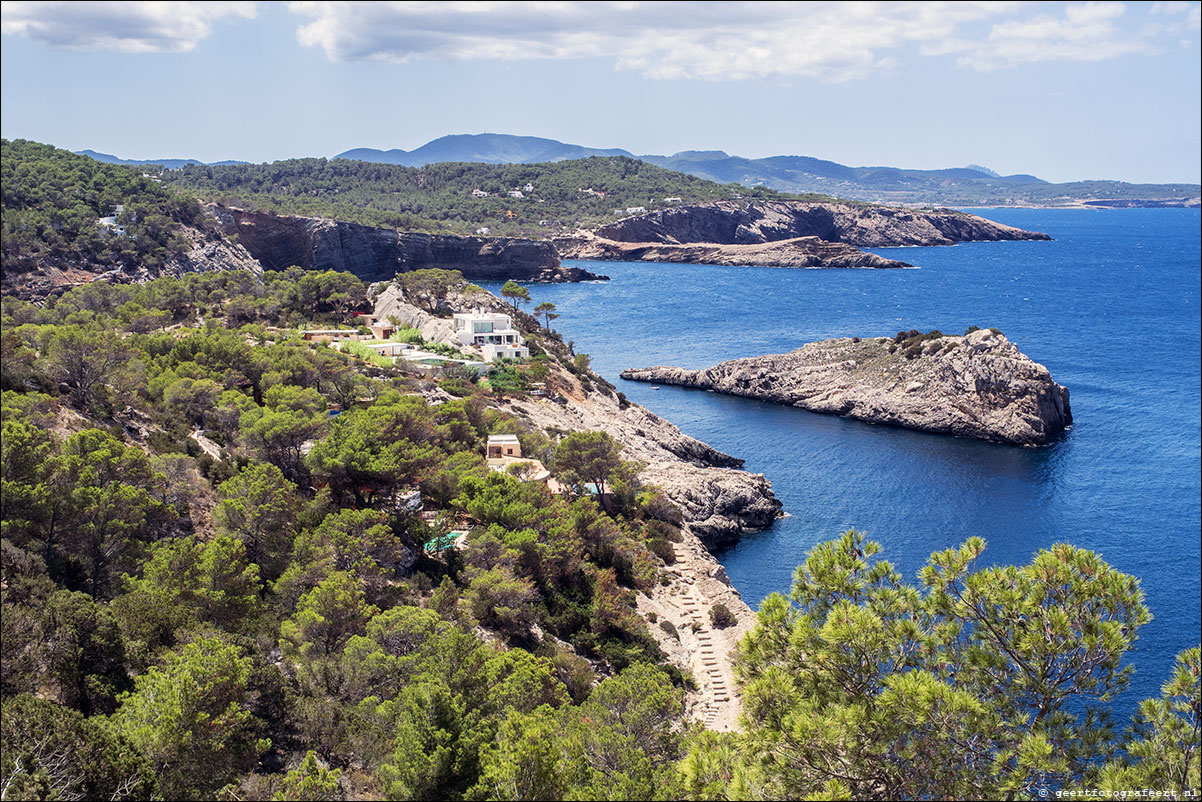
x=857, y=224
x=800, y=252
x=378, y=254
x=718, y=502
x=978, y=385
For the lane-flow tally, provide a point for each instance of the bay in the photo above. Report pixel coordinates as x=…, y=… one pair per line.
x=1110, y=306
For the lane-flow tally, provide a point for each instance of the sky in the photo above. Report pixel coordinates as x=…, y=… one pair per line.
x=1064, y=91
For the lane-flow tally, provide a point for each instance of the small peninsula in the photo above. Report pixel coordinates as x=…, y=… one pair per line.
x=796, y=252
x=977, y=385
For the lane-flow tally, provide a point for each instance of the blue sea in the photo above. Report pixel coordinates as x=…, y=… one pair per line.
x=1111, y=307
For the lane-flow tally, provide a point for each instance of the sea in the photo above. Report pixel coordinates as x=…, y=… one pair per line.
x=1110, y=306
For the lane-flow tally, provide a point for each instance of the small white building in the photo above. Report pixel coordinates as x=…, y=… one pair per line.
x=504, y=455
x=483, y=231
x=635, y=209
x=503, y=445
x=516, y=193
x=529, y=187
x=479, y=193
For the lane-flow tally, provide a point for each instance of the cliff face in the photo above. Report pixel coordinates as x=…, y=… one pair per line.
x=796, y=252
x=377, y=254
x=733, y=223
x=979, y=385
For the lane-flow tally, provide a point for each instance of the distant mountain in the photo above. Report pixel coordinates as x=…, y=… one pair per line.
x=958, y=186
x=985, y=170
x=170, y=164
x=486, y=148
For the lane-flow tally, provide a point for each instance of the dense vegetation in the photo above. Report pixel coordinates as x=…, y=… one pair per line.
x=53, y=200
x=438, y=197
x=212, y=587
x=179, y=622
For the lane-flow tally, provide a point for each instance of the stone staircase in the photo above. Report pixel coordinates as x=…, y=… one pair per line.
x=714, y=689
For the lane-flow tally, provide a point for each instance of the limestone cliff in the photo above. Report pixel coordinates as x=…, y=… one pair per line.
x=796, y=252
x=375, y=254
x=860, y=225
x=979, y=385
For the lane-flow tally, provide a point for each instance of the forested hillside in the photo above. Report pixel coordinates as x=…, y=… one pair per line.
x=439, y=197
x=53, y=201
x=182, y=618
x=215, y=584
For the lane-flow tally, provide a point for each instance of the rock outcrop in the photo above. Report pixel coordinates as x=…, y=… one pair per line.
x=719, y=501
x=809, y=252
x=376, y=254
x=860, y=225
x=979, y=385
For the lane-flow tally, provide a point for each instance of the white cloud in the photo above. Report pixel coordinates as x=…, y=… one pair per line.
x=1082, y=32
x=126, y=27
x=731, y=40
x=735, y=40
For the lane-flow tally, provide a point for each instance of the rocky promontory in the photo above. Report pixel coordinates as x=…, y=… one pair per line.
x=858, y=224
x=797, y=252
x=378, y=254
x=977, y=385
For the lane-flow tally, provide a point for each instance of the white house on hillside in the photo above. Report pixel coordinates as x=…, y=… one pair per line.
x=492, y=332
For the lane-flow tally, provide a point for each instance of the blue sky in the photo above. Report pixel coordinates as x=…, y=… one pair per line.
x=1065, y=91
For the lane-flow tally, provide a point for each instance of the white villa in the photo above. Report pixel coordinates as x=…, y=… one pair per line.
x=492, y=332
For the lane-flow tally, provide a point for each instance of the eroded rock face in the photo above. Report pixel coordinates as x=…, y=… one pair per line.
x=979, y=385
x=718, y=500
x=864, y=226
x=806, y=252
x=377, y=254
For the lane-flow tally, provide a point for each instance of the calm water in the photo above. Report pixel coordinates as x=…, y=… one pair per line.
x=1111, y=307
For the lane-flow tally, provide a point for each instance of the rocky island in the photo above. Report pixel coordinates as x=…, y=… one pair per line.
x=795, y=252
x=781, y=233
x=977, y=385
x=860, y=225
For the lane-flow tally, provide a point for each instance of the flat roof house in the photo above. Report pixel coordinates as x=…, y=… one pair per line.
x=491, y=331
x=504, y=451
x=503, y=445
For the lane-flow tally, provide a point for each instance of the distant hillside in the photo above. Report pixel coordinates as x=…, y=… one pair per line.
x=961, y=186
x=53, y=200
x=170, y=164
x=458, y=197
x=68, y=218
x=487, y=148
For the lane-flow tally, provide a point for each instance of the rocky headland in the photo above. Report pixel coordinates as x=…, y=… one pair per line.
x=377, y=254
x=856, y=224
x=718, y=502
x=977, y=385
x=796, y=252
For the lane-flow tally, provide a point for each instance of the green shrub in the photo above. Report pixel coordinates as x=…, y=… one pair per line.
x=670, y=628
x=721, y=616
